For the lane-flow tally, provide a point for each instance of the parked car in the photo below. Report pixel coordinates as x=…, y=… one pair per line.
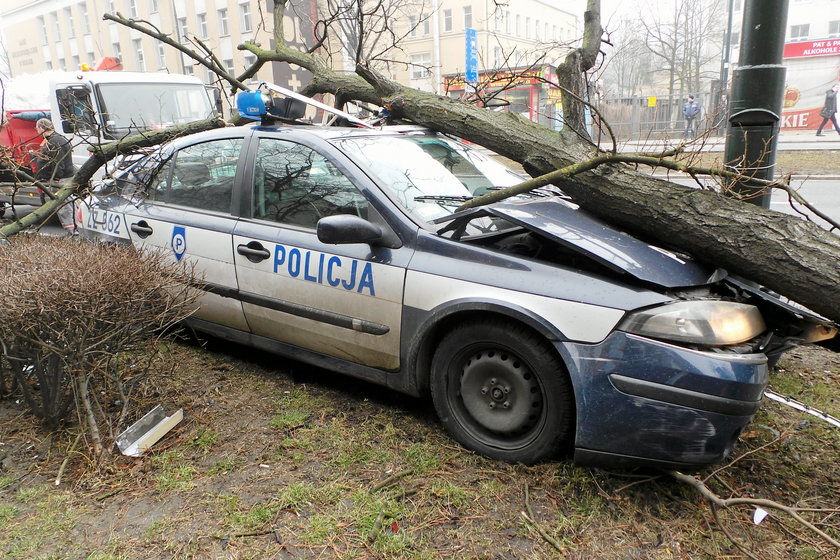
x=536, y=328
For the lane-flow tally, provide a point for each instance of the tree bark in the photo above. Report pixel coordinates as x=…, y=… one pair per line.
x=791, y=256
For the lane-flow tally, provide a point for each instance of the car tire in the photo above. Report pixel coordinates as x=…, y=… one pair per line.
x=501, y=390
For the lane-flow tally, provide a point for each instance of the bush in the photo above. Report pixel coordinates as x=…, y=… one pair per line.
x=76, y=315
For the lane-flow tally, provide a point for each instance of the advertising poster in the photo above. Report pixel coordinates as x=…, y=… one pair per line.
x=813, y=67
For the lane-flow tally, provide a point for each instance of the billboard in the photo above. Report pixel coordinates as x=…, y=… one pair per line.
x=813, y=67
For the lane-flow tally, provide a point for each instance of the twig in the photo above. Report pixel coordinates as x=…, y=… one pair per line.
x=529, y=517
x=377, y=525
x=730, y=536
x=67, y=457
x=391, y=480
x=704, y=491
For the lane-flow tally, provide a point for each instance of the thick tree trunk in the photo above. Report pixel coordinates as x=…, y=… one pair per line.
x=784, y=253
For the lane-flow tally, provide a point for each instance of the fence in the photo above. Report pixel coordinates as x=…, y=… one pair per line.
x=635, y=118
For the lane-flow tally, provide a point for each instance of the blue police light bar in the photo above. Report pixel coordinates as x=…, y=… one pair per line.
x=251, y=105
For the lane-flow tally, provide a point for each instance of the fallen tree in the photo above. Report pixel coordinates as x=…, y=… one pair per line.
x=791, y=256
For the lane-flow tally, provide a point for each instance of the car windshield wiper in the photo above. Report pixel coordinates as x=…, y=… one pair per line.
x=442, y=198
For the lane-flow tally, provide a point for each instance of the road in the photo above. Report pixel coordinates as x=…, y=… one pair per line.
x=823, y=194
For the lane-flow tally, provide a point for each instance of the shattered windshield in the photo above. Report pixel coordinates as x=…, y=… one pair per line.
x=430, y=176
x=136, y=107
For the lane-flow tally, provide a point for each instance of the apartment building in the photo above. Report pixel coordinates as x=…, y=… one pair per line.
x=67, y=34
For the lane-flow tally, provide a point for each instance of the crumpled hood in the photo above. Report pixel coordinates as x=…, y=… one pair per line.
x=574, y=228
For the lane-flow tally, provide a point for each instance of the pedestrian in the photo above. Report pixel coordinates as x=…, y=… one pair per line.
x=691, y=112
x=829, y=109
x=54, y=159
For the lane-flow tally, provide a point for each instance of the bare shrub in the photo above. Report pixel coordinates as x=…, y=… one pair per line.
x=78, y=318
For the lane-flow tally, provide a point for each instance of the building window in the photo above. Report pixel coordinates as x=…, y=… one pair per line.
x=537, y=29
x=202, y=25
x=518, y=25
x=228, y=62
x=161, y=56
x=420, y=64
x=245, y=17
x=735, y=40
x=427, y=28
x=553, y=32
x=833, y=29
x=250, y=59
x=736, y=5
x=507, y=22
x=181, y=22
x=447, y=20
x=209, y=76
x=546, y=36
x=62, y=64
x=91, y=58
x=223, y=22
x=56, y=27
x=141, y=59
x=527, y=28
x=84, y=16
x=42, y=29
x=132, y=8
x=468, y=22
x=117, y=51
x=110, y=6
x=412, y=26
x=68, y=20
x=497, y=57
x=77, y=64
x=153, y=6
x=188, y=69
x=799, y=32
x=497, y=25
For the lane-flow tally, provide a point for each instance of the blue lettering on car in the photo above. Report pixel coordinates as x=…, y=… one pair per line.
x=108, y=222
x=339, y=272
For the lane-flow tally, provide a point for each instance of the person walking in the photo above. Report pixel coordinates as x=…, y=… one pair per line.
x=829, y=109
x=691, y=112
x=53, y=159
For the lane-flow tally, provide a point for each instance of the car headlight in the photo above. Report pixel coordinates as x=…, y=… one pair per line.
x=711, y=323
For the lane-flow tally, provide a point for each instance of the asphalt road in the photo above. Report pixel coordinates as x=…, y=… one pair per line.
x=823, y=194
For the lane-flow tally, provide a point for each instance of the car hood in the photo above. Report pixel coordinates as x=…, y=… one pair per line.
x=564, y=223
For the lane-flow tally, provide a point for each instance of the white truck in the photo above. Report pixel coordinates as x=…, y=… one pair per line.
x=96, y=107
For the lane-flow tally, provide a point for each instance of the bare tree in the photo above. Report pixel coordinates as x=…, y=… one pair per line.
x=681, y=39
x=628, y=65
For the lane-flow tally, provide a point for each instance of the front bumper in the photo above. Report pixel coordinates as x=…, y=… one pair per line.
x=644, y=402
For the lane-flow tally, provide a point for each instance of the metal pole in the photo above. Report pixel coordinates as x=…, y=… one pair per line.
x=755, y=108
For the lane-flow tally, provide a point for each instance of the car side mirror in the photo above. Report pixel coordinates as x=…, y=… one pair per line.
x=342, y=229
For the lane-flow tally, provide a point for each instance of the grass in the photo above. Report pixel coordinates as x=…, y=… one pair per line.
x=359, y=473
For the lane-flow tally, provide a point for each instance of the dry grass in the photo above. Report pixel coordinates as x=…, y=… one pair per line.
x=301, y=463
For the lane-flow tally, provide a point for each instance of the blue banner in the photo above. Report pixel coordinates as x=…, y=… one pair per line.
x=471, y=66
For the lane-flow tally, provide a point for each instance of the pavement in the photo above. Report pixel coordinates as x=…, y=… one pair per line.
x=788, y=140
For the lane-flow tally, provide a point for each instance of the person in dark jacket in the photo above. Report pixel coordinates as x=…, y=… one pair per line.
x=691, y=112
x=829, y=109
x=54, y=159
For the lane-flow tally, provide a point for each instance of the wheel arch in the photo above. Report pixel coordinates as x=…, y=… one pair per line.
x=444, y=318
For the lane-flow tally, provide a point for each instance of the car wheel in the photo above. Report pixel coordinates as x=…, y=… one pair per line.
x=501, y=390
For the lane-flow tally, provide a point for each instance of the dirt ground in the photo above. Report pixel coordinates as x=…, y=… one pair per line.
x=280, y=460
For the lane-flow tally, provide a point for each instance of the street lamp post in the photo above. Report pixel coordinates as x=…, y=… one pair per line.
x=755, y=104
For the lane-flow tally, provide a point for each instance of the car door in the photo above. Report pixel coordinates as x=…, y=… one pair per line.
x=341, y=300
x=186, y=213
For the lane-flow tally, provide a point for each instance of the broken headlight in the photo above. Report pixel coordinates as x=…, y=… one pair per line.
x=709, y=323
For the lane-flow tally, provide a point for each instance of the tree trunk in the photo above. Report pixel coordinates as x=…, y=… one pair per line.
x=784, y=253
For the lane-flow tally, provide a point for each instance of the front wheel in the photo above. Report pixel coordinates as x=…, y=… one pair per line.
x=500, y=390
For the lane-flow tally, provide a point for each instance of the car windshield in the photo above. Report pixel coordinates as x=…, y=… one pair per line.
x=137, y=107
x=430, y=176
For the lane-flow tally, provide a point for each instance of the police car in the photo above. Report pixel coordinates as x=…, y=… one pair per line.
x=536, y=329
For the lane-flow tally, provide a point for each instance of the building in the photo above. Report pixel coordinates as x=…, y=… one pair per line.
x=431, y=38
x=811, y=58
x=66, y=34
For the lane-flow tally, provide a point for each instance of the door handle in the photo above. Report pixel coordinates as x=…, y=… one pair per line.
x=253, y=251
x=142, y=229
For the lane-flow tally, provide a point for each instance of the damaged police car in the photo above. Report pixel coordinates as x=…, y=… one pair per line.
x=535, y=328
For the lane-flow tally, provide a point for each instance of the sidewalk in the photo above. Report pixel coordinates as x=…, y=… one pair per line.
x=788, y=140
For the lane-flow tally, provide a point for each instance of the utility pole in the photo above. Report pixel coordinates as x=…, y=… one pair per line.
x=755, y=106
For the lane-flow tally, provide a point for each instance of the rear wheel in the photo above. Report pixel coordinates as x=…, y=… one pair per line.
x=500, y=390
